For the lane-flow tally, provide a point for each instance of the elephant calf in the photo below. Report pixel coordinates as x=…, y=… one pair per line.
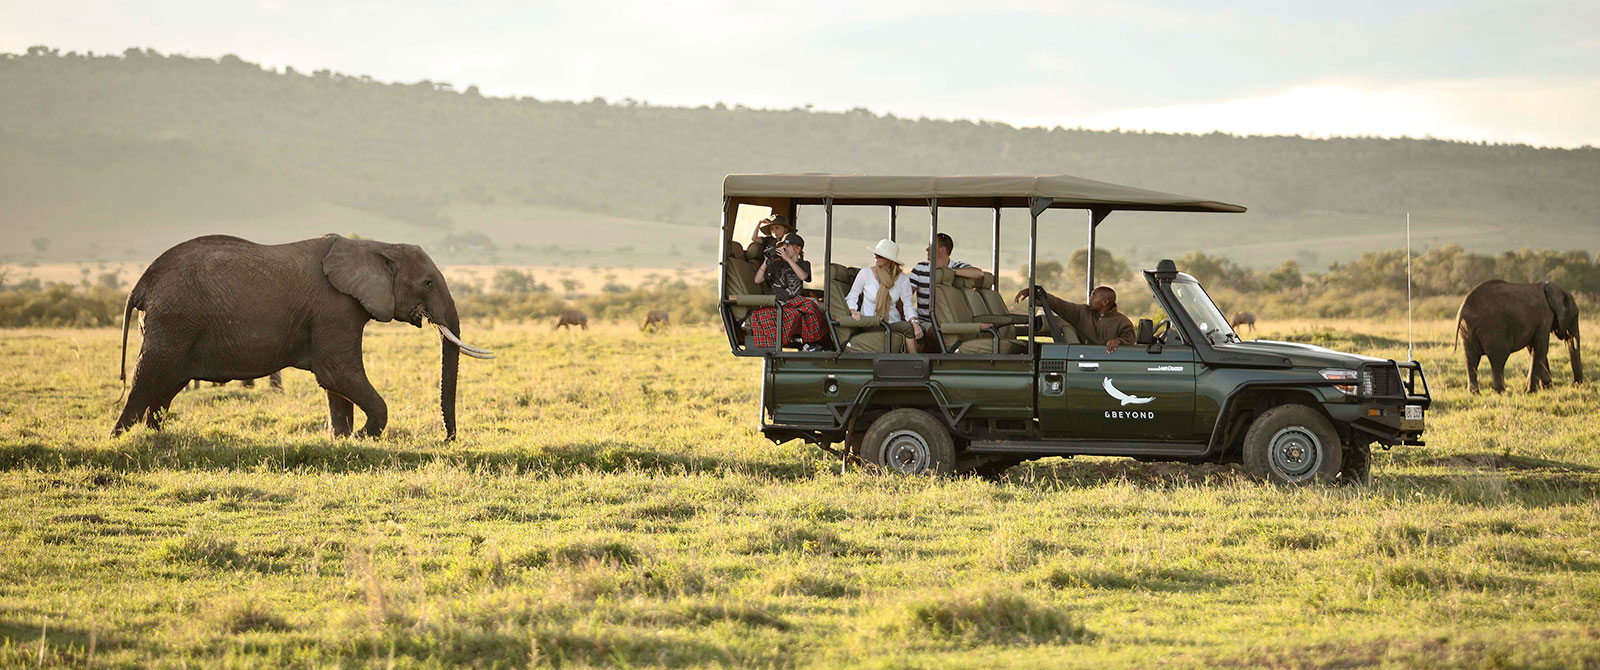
x=219, y=308
x=1498, y=318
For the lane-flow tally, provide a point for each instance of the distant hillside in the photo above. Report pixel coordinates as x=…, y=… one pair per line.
x=118, y=157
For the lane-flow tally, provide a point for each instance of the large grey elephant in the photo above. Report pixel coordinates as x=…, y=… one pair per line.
x=220, y=308
x=1498, y=318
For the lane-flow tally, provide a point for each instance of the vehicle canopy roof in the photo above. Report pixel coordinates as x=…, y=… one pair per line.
x=1063, y=192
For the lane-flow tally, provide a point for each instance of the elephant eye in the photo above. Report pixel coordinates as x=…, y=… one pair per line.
x=428, y=283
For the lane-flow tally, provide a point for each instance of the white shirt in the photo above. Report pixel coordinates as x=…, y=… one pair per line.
x=863, y=295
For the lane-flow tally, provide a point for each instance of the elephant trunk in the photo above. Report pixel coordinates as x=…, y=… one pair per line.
x=449, y=363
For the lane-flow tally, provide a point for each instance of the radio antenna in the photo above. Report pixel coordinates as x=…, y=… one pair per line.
x=1410, y=340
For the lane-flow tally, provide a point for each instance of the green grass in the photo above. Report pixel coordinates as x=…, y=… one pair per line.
x=610, y=504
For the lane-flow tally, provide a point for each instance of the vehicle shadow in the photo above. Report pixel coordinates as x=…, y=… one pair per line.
x=1463, y=478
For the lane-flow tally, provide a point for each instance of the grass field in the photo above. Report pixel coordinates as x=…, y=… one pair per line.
x=610, y=503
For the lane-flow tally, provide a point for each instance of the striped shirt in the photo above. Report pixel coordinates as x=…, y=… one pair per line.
x=921, y=281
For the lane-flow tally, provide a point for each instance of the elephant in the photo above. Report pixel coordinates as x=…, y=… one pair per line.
x=274, y=380
x=655, y=318
x=1498, y=318
x=219, y=308
x=1243, y=319
x=571, y=317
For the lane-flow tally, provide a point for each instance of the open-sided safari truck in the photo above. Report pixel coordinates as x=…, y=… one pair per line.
x=1026, y=387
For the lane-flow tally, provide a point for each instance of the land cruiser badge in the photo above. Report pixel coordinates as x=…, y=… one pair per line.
x=1119, y=395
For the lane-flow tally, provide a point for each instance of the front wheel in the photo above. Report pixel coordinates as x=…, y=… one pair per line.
x=1293, y=445
x=910, y=442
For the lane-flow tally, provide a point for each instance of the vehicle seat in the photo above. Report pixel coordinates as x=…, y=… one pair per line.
x=747, y=294
x=984, y=342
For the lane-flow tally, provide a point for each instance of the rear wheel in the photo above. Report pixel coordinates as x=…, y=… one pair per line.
x=909, y=442
x=1293, y=445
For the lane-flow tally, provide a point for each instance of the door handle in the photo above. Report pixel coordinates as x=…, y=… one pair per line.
x=1088, y=366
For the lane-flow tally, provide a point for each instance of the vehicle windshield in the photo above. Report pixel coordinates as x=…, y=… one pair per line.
x=1213, y=326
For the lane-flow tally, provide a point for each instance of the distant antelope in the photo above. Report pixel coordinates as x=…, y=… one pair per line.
x=1243, y=319
x=656, y=318
x=572, y=317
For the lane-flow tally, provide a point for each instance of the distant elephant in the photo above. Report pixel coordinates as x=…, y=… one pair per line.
x=1498, y=318
x=655, y=318
x=274, y=380
x=220, y=308
x=572, y=317
x=1243, y=319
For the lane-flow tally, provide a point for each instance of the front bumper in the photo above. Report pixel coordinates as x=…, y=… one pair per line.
x=1390, y=404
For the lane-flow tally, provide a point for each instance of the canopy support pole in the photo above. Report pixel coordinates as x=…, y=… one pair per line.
x=933, y=266
x=827, y=267
x=893, y=224
x=1095, y=217
x=1036, y=206
x=994, y=247
x=722, y=274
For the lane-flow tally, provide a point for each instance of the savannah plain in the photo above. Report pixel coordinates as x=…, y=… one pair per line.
x=610, y=503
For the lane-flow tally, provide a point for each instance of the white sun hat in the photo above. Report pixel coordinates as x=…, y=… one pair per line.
x=888, y=249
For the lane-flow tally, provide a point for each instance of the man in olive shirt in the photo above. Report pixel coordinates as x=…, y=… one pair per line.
x=1098, y=322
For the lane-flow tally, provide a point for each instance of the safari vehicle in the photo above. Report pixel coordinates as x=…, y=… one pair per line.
x=1027, y=387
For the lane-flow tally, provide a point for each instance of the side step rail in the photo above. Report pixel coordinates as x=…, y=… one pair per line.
x=1090, y=448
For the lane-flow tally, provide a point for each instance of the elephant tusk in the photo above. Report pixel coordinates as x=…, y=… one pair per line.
x=465, y=348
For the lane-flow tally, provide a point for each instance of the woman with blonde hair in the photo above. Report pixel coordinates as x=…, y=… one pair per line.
x=884, y=291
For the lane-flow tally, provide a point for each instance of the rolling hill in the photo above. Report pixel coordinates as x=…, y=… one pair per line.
x=116, y=157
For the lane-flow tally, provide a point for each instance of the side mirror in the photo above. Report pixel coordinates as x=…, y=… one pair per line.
x=1147, y=331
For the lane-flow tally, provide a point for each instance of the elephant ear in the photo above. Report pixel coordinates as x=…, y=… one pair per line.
x=1558, y=304
x=362, y=269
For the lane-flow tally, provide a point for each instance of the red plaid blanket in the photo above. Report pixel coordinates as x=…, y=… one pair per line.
x=799, y=314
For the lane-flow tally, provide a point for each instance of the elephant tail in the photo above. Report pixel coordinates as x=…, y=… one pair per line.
x=127, y=315
x=1457, y=343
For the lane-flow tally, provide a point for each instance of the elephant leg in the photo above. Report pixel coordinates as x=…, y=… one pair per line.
x=153, y=383
x=350, y=381
x=275, y=381
x=156, y=416
x=1539, y=367
x=248, y=383
x=1497, y=368
x=1473, y=357
x=341, y=414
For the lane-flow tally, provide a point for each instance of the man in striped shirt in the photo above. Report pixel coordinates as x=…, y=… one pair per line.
x=922, y=279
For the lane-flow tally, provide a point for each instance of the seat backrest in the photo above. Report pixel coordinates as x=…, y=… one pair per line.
x=994, y=303
x=840, y=279
x=741, y=273
x=950, y=304
x=969, y=290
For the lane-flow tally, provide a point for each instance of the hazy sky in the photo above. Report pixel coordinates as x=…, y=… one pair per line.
x=1522, y=71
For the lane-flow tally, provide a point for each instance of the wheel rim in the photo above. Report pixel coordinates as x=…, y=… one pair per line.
x=906, y=452
x=1296, y=453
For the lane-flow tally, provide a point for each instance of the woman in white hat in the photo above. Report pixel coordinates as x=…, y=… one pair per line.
x=884, y=291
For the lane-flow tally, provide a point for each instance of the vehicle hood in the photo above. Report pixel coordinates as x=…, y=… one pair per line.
x=1299, y=355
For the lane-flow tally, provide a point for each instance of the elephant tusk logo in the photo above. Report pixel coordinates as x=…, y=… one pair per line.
x=1119, y=395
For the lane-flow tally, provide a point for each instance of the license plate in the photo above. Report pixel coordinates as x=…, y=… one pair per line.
x=1413, y=412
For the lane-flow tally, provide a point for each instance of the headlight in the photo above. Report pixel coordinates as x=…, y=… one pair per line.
x=1342, y=375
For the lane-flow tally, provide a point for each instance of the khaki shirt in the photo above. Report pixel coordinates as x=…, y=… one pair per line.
x=1095, y=328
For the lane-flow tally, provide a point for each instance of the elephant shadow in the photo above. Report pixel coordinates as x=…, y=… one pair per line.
x=146, y=451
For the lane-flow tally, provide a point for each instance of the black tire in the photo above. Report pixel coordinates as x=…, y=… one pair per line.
x=1293, y=445
x=1357, y=470
x=909, y=442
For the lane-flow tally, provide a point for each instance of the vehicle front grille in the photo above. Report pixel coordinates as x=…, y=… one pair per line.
x=1381, y=381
